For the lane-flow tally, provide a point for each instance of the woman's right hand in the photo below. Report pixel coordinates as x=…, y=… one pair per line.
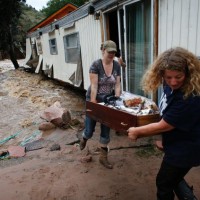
x=132, y=134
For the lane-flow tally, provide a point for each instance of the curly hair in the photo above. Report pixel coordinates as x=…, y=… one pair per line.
x=178, y=59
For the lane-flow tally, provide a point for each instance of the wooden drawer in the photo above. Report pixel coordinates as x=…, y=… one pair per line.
x=117, y=119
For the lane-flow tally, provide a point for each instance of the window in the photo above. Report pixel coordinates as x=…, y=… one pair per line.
x=138, y=40
x=72, y=48
x=53, y=46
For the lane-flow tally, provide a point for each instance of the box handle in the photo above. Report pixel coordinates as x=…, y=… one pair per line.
x=123, y=124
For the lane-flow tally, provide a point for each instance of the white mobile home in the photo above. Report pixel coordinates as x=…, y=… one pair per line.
x=141, y=28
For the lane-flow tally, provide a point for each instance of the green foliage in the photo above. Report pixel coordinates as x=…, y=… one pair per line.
x=10, y=11
x=148, y=151
x=28, y=19
x=15, y=19
x=54, y=5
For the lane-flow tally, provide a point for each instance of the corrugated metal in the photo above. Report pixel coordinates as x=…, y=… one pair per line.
x=179, y=24
x=104, y=4
x=90, y=43
x=89, y=31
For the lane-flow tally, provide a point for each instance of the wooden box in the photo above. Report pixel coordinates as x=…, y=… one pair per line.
x=117, y=119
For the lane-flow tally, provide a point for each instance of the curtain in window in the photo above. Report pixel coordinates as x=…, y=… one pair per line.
x=138, y=36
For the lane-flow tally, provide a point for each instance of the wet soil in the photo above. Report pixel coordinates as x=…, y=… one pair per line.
x=64, y=175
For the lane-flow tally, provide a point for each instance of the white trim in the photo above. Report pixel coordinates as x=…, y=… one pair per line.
x=39, y=64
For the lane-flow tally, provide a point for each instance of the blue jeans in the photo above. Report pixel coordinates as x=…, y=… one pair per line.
x=168, y=179
x=90, y=128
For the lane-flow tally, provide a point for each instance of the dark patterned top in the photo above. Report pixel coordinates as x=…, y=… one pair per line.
x=106, y=84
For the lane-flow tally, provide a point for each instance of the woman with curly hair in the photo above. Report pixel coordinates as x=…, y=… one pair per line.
x=178, y=70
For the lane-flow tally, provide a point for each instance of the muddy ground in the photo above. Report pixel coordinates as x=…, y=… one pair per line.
x=63, y=174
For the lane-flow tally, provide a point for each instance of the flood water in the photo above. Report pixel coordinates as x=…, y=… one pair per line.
x=24, y=96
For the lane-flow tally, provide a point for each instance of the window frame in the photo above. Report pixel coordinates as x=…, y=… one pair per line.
x=69, y=48
x=53, y=47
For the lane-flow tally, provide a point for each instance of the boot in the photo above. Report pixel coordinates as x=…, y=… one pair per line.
x=82, y=143
x=103, y=158
x=184, y=191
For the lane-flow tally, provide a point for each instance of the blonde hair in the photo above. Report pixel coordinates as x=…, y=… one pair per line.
x=174, y=59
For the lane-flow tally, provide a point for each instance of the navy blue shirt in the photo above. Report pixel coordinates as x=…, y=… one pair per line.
x=182, y=144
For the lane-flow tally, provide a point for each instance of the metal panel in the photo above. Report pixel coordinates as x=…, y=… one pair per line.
x=176, y=29
x=185, y=23
x=179, y=24
x=193, y=21
x=90, y=40
x=197, y=50
x=162, y=29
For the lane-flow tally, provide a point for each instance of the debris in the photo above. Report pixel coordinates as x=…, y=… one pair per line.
x=46, y=126
x=9, y=138
x=55, y=147
x=86, y=159
x=35, y=135
x=38, y=144
x=3, y=153
x=57, y=122
x=66, y=116
x=16, y=151
x=57, y=115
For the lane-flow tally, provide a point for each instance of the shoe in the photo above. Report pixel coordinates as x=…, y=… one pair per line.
x=82, y=144
x=184, y=191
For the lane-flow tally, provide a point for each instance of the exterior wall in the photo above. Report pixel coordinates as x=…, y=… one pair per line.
x=90, y=41
x=179, y=25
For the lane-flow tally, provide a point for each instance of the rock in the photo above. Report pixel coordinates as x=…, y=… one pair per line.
x=57, y=122
x=86, y=159
x=55, y=147
x=3, y=152
x=57, y=115
x=66, y=116
x=16, y=151
x=35, y=145
x=52, y=112
x=74, y=122
x=46, y=126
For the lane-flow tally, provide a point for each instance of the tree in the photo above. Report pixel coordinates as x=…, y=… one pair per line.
x=54, y=5
x=10, y=11
x=29, y=17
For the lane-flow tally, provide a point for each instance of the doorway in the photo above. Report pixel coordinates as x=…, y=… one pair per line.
x=130, y=26
x=114, y=28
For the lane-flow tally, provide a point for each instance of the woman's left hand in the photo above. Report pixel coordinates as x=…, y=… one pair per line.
x=132, y=134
